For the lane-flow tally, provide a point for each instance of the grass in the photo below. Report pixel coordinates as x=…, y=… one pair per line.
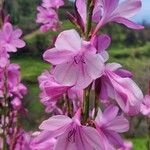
x=31, y=68
x=139, y=143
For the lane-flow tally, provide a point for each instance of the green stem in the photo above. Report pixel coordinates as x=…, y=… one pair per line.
x=89, y=9
x=96, y=106
x=5, y=146
x=69, y=107
x=148, y=140
x=86, y=104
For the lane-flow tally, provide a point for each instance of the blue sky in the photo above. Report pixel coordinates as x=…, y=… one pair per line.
x=144, y=13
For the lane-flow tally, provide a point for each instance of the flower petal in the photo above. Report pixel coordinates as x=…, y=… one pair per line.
x=91, y=139
x=103, y=42
x=94, y=65
x=66, y=73
x=119, y=124
x=56, y=57
x=55, y=123
x=81, y=7
x=128, y=8
x=128, y=23
x=68, y=40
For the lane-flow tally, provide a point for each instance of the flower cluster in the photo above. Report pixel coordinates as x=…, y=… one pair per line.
x=81, y=80
x=47, y=14
x=11, y=88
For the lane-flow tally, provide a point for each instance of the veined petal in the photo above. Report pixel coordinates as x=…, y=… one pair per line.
x=103, y=42
x=18, y=43
x=68, y=40
x=113, y=66
x=66, y=73
x=90, y=139
x=8, y=29
x=109, y=114
x=43, y=143
x=119, y=124
x=114, y=138
x=55, y=123
x=94, y=65
x=55, y=91
x=127, y=93
x=109, y=6
x=56, y=57
x=128, y=8
x=83, y=79
x=43, y=137
x=128, y=23
x=17, y=33
x=81, y=7
x=65, y=142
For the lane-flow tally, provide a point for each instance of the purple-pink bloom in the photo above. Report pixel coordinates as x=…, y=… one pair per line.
x=22, y=140
x=16, y=103
x=81, y=8
x=102, y=43
x=113, y=11
x=70, y=134
x=110, y=124
x=45, y=145
x=76, y=61
x=14, y=87
x=128, y=145
x=117, y=84
x=3, y=57
x=145, y=106
x=52, y=3
x=10, y=39
x=51, y=91
x=48, y=19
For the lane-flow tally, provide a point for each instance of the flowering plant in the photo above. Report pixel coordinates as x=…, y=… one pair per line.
x=88, y=98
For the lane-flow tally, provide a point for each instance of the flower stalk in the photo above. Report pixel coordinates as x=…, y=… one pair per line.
x=148, y=138
x=86, y=104
x=5, y=105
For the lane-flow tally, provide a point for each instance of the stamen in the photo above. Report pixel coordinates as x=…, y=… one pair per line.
x=71, y=136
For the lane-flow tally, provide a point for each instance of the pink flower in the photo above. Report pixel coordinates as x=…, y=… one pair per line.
x=77, y=63
x=81, y=8
x=70, y=134
x=48, y=19
x=102, y=43
x=127, y=146
x=14, y=87
x=23, y=140
x=9, y=38
x=3, y=57
x=145, y=106
x=53, y=92
x=110, y=124
x=111, y=11
x=52, y=3
x=19, y=90
x=52, y=89
x=45, y=145
x=116, y=84
x=16, y=103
